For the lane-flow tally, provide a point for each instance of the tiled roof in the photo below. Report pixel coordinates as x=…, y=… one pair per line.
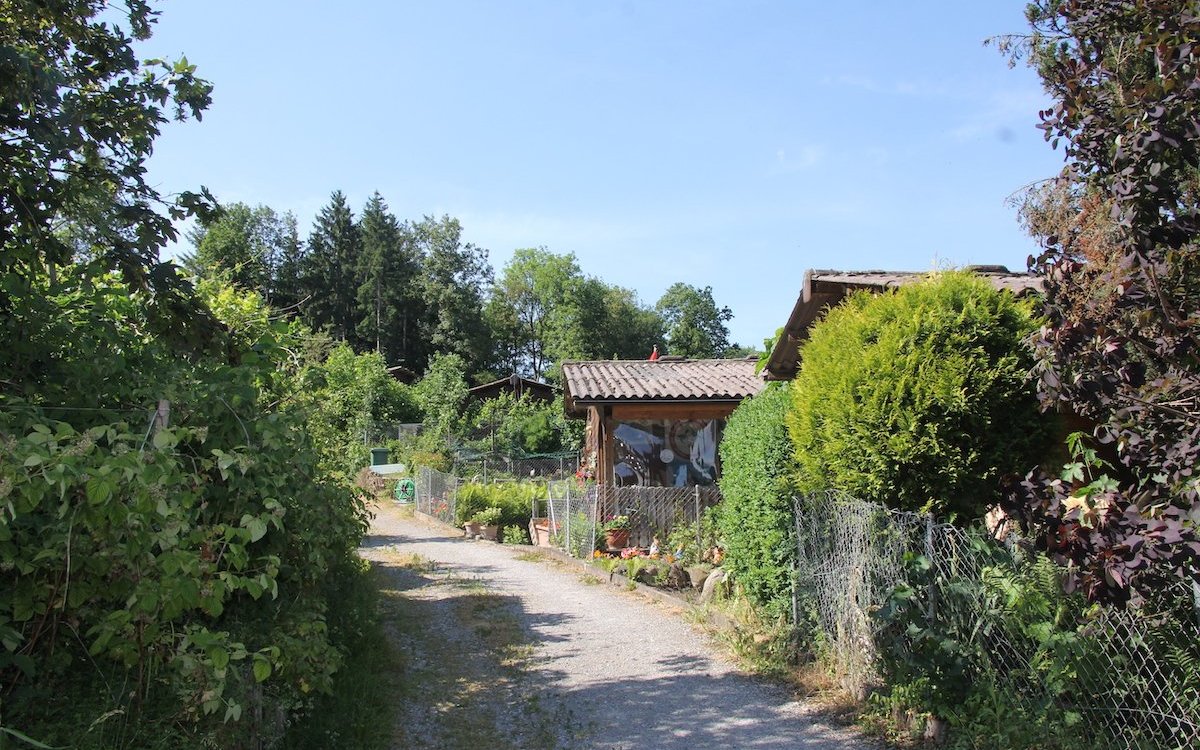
x=642, y=380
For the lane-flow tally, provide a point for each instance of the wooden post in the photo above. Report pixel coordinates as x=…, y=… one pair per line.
x=699, y=540
x=162, y=415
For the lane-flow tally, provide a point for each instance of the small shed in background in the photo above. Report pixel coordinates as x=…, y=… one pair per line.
x=656, y=423
x=516, y=386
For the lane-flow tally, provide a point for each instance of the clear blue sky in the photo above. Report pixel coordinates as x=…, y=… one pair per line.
x=724, y=144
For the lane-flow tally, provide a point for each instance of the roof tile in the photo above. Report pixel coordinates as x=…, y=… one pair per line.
x=694, y=379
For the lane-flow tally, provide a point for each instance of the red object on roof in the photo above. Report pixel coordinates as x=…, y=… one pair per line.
x=654, y=354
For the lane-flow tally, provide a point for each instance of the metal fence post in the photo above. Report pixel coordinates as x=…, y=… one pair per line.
x=696, y=499
x=931, y=610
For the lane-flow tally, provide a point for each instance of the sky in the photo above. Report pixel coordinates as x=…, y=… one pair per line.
x=723, y=144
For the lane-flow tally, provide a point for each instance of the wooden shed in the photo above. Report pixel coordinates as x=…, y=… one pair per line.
x=656, y=423
x=824, y=289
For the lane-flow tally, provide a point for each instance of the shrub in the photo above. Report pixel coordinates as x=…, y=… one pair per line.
x=919, y=399
x=513, y=499
x=515, y=535
x=755, y=518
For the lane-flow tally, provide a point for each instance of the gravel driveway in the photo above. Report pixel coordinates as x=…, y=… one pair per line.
x=581, y=665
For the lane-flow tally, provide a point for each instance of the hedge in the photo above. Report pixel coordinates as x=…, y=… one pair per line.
x=755, y=517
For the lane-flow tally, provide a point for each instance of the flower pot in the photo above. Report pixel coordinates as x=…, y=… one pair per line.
x=617, y=538
x=473, y=529
x=490, y=533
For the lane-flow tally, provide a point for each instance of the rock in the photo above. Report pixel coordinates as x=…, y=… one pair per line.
x=648, y=575
x=697, y=575
x=677, y=578
x=715, y=579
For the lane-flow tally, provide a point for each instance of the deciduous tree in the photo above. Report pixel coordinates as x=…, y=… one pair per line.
x=1121, y=347
x=695, y=325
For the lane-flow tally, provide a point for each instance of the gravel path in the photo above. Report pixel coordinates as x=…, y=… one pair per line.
x=602, y=668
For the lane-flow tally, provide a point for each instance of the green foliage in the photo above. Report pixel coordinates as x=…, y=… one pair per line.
x=690, y=548
x=520, y=426
x=755, y=517
x=186, y=562
x=515, y=535
x=919, y=399
x=167, y=575
x=244, y=246
x=330, y=271
x=948, y=644
x=362, y=690
x=455, y=277
x=441, y=394
x=514, y=500
x=695, y=326
x=487, y=517
x=79, y=113
x=346, y=395
x=389, y=300
x=578, y=536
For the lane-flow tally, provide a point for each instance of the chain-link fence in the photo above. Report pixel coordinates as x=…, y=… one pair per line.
x=982, y=630
x=498, y=467
x=571, y=509
x=437, y=494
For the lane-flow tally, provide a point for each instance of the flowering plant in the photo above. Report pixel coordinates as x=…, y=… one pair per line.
x=616, y=523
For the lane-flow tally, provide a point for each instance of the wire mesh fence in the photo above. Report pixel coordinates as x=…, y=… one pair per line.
x=957, y=614
x=437, y=494
x=499, y=467
x=577, y=515
x=572, y=516
x=654, y=511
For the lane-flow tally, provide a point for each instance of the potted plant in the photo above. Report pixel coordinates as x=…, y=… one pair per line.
x=488, y=521
x=616, y=532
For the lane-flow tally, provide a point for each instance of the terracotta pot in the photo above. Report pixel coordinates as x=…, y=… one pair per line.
x=490, y=533
x=473, y=529
x=539, y=532
x=617, y=538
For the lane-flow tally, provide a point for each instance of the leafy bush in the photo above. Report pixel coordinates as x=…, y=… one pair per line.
x=346, y=394
x=688, y=547
x=189, y=562
x=919, y=399
x=515, y=535
x=948, y=649
x=755, y=517
x=513, y=499
x=519, y=426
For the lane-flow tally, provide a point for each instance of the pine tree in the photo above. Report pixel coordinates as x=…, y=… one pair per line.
x=389, y=302
x=331, y=269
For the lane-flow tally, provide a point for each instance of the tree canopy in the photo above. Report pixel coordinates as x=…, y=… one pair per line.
x=695, y=326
